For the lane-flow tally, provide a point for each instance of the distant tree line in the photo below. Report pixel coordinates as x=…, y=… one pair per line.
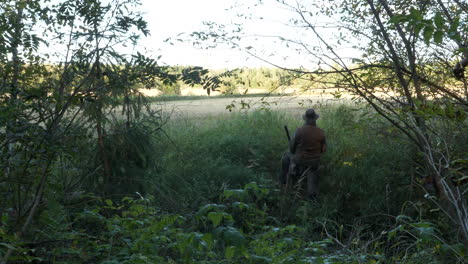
x=241, y=80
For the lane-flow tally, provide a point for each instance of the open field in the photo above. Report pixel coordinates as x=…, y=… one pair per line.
x=219, y=105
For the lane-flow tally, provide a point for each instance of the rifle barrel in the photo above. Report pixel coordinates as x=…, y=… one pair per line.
x=287, y=133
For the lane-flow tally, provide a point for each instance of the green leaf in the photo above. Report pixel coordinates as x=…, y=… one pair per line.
x=252, y=185
x=233, y=237
x=398, y=19
x=392, y=233
x=438, y=35
x=288, y=240
x=230, y=251
x=215, y=217
x=418, y=27
x=427, y=34
x=4, y=218
x=108, y=202
x=210, y=207
x=240, y=205
x=208, y=238
x=439, y=20
x=243, y=250
x=455, y=24
x=453, y=30
x=425, y=229
x=236, y=193
x=415, y=15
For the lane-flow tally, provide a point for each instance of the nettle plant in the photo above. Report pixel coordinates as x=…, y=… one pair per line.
x=241, y=228
x=133, y=230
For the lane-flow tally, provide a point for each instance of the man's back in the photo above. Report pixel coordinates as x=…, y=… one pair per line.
x=306, y=147
x=308, y=143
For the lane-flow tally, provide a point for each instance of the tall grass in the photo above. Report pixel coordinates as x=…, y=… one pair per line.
x=365, y=171
x=207, y=155
x=196, y=202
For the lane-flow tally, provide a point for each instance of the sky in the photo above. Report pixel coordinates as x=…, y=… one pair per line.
x=168, y=18
x=177, y=19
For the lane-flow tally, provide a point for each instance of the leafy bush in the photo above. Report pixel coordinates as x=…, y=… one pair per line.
x=241, y=228
x=368, y=164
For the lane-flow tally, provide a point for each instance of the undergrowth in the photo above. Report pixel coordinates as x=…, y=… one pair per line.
x=205, y=190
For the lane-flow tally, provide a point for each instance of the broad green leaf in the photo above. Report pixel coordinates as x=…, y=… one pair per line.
x=127, y=199
x=288, y=240
x=210, y=207
x=427, y=34
x=424, y=228
x=455, y=24
x=109, y=202
x=415, y=15
x=438, y=35
x=290, y=228
x=418, y=27
x=244, y=252
x=236, y=193
x=252, y=185
x=316, y=251
x=398, y=19
x=240, y=205
x=230, y=251
x=219, y=231
x=453, y=31
x=439, y=20
x=215, y=217
x=234, y=237
x=208, y=238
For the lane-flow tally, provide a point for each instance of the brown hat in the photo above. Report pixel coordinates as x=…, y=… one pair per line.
x=310, y=115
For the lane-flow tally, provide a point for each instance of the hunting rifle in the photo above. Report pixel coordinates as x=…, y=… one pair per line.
x=287, y=133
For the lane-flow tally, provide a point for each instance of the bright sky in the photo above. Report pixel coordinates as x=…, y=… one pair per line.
x=177, y=19
x=168, y=18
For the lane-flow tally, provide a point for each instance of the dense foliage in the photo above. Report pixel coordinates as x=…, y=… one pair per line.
x=407, y=61
x=91, y=172
x=211, y=196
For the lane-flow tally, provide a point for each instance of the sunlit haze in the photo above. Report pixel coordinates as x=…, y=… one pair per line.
x=168, y=19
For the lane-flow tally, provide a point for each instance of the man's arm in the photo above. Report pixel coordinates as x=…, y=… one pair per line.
x=293, y=143
x=323, y=147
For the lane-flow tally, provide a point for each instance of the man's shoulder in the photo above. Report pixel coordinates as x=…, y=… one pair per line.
x=313, y=129
x=310, y=127
x=321, y=130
